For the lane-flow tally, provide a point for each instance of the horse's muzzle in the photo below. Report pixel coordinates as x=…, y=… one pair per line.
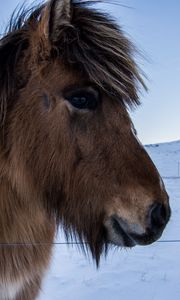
x=123, y=233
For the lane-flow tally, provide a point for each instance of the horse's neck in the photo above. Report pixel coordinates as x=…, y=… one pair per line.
x=19, y=214
x=23, y=220
x=21, y=207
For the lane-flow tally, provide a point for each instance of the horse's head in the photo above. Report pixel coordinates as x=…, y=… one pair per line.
x=70, y=128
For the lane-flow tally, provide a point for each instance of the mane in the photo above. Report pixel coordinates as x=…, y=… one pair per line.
x=13, y=43
x=104, y=55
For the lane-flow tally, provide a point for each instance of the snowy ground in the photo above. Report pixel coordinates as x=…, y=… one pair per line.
x=148, y=273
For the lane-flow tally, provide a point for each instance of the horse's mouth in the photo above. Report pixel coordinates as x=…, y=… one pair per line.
x=116, y=235
x=119, y=236
x=122, y=237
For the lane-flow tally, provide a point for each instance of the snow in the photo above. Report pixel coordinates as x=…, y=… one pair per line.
x=148, y=273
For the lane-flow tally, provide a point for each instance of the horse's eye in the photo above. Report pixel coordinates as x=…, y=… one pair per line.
x=84, y=98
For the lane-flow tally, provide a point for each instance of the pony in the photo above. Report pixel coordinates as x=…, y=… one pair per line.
x=69, y=153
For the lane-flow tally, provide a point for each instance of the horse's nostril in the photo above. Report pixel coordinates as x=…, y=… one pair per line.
x=158, y=216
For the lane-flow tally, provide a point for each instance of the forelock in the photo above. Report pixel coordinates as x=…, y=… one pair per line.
x=96, y=46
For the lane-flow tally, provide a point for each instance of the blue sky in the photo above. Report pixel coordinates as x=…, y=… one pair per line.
x=154, y=26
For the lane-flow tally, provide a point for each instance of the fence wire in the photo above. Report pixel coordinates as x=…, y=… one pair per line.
x=66, y=243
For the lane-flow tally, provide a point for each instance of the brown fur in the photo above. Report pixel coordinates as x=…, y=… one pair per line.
x=60, y=165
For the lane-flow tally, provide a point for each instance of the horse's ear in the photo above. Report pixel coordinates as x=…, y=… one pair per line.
x=59, y=12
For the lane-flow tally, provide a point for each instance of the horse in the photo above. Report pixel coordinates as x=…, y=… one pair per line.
x=69, y=152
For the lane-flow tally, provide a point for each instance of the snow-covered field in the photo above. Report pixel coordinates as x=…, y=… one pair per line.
x=147, y=273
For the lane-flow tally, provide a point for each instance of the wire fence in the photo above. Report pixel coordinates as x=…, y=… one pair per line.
x=66, y=243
